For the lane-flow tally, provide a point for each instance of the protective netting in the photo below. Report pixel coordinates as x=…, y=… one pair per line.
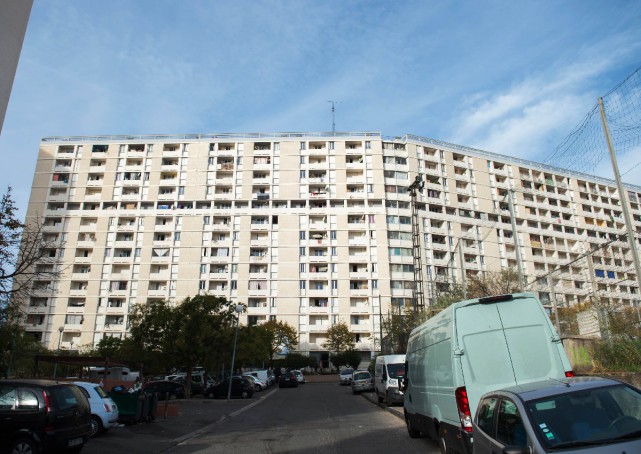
x=585, y=148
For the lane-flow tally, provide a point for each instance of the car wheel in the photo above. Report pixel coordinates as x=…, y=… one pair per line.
x=244, y=395
x=24, y=446
x=96, y=425
x=411, y=430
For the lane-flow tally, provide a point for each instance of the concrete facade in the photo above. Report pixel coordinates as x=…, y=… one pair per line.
x=308, y=228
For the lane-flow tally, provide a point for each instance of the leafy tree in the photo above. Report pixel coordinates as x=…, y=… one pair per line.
x=347, y=358
x=276, y=335
x=493, y=283
x=197, y=331
x=339, y=339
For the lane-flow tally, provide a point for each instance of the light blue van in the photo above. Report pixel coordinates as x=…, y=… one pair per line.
x=468, y=349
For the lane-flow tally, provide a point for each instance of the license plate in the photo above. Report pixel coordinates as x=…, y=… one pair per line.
x=74, y=442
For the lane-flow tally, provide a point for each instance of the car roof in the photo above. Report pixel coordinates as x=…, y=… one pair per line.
x=40, y=382
x=550, y=388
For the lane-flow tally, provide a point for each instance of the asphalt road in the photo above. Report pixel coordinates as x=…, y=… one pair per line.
x=316, y=417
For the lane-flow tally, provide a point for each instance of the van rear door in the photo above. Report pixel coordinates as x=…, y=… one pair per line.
x=505, y=342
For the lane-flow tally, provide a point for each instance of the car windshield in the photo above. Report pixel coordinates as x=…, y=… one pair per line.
x=586, y=417
x=347, y=371
x=396, y=370
x=362, y=376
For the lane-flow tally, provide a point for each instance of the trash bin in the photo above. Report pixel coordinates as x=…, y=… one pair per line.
x=129, y=406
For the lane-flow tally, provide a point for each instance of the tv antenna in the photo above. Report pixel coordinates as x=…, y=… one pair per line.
x=333, y=115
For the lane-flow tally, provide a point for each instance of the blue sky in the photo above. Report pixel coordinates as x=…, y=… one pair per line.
x=511, y=77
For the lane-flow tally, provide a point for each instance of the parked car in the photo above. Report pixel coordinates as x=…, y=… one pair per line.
x=345, y=375
x=264, y=376
x=196, y=387
x=166, y=389
x=299, y=376
x=287, y=380
x=43, y=415
x=362, y=380
x=258, y=384
x=240, y=387
x=104, y=411
x=578, y=415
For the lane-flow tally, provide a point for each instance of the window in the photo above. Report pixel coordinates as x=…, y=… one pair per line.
x=301, y=268
x=486, y=415
x=302, y=252
x=509, y=428
x=301, y=235
x=301, y=285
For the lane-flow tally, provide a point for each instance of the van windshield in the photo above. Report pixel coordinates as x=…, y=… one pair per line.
x=396, y=370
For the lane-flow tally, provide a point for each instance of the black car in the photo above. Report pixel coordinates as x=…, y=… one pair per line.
x=166, y=389
x=288, y=380
x=240, y=387
x=43, y=416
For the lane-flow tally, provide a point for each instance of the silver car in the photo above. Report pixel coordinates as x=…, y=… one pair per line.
x=362, y=380
x=582, y=415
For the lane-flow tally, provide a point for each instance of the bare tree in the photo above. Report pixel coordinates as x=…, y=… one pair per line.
x=27, y=254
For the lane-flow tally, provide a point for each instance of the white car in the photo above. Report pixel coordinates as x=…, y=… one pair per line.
x=104, y=411
x=299, y=376
x=259, y=385
x=346, y=375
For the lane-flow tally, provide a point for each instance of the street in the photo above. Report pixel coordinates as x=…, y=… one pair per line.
x=316, y=417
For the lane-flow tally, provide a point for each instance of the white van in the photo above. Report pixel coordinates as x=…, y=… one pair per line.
x=389, y=372
x=470, y=348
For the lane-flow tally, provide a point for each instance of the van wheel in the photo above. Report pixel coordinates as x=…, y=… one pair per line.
x=411, y=430
x=442, y=444
x=24, y=446
x=388, y=401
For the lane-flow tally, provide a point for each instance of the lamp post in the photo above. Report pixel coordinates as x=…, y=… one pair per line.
x=55, y=365
x=239, y=309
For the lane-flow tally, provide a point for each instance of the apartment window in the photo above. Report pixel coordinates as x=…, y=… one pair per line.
x=334, y=284
x=201, y=285
x=302, y=251
x=177, y=236
x=302, y=267
x=203, y=268
x=331, y=145
x=368, y=145
x=374, y=284
x=303, y=174
x=137, y=252
x=302, y=145
x=333, y=251
x=332, y=234
x=302, y=235
x=233, y=285
x=206, y=220
x=302, y=159
x=301, y=285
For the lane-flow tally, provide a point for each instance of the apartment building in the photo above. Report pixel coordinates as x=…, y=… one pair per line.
x=309, y=228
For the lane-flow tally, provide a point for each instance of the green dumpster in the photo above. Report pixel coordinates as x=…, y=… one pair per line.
x=129, y=406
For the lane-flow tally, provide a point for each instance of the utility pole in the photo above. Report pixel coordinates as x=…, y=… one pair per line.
x=463, y=281
x=623, y=197
x=517, y=246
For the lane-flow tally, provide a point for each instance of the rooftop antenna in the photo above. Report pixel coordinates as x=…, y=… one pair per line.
x=333, y=115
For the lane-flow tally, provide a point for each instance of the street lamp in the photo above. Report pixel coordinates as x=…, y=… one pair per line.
x=239, y=309
x=55, y=365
